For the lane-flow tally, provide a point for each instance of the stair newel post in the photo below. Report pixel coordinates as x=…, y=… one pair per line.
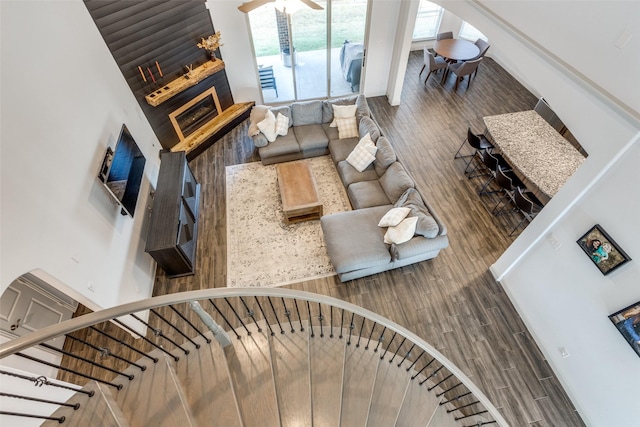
x=398, y=349
x=104, y=352
x=275, y=314
x=331, y=320
x=341, y=323
x=224, y=318
x=380, y=339
x=251, y=314
x=393, y=337
x=295, y=302
x=351, y=327
x=423, y=368
x=265, y=317
x=320, y=319
x=237, y=316
x=218, y=333
x=53, y=365
x=40, y=381
x=440, y=382
x=366, y=347
x=158, y=332
x=183, y=317
x=161, y=317
x=176, y=358
x=360, y=334
x=130, y=347
x=407, y=354
x=75, y=406
x=287, y=313
x=433, y=374
x=415, y=361
x=84, y=359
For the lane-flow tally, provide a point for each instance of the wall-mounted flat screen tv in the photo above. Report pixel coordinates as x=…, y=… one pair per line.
x=121, y=171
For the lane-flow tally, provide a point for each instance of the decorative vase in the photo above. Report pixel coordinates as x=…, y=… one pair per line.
x=212, y=55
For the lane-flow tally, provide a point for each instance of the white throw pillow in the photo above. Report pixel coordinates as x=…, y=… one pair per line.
x=282, y=124
x=347, y=128
x=402, y=232
x=360, y=158
x=343, y=112
x=394, y=217
x=268, y=126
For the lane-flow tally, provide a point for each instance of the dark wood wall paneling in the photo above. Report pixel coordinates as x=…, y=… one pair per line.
x=140, y=32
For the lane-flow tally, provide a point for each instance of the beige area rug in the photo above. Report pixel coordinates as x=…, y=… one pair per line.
x=261, y=250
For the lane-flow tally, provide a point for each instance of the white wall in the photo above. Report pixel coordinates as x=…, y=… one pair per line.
x=63, y=102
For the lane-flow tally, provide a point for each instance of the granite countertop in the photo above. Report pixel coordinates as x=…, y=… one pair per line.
x=535, y=148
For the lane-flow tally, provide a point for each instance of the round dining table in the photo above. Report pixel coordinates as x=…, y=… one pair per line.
x=456, y=49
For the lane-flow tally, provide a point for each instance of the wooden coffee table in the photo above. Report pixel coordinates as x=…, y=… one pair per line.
x=300, y=201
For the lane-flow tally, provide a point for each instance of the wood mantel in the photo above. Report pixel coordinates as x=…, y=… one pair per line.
x=181, y=83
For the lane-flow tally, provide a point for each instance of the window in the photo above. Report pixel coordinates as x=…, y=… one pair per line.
x=469, y=32
x=427, y=21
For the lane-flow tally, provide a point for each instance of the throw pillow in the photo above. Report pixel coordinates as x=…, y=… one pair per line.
x=282, y=124
x=402, y=232
x=361, y=157
x=257, y=115
x=394, y=217
x=268, y=127
x=347, y=128
x=368, y=126
x=342, y=112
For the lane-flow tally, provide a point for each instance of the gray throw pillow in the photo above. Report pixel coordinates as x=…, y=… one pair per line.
x=306, y=113
x=426, y=226
x=362, y=109
x=385, y=155
x=368, y=126
x=260, y=140
x=285, y=110
x=395, y=181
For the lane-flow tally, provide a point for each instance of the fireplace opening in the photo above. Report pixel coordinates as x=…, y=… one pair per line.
x=196, y=113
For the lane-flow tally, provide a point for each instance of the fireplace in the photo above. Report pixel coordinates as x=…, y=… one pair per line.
x=196, y=113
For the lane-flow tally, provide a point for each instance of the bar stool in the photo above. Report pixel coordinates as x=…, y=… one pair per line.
x=528, y=205
x=508, y=183
x=477, y=142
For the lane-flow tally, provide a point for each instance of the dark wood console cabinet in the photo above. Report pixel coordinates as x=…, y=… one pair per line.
x=173, y=227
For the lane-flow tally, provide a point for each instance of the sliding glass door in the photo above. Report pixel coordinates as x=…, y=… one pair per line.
x=309, y=54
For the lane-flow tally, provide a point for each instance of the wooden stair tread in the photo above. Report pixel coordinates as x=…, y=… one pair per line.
x=418, y=405
x=388, y=393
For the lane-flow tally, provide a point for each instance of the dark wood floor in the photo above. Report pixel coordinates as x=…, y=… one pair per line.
x=451, y=301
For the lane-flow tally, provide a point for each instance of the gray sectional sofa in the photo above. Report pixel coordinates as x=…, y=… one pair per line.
x=355, y=242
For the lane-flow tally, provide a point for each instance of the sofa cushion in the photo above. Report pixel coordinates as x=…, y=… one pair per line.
x=311, y=137
x=341, y=148
x=349, y=174
x=418, y=246
x=354, y=240
x=395, y=181
x=306, y=113
x=363, y=107
x=285, y=110
x=427, y=225
x=282, y=145
x=385, y=155
x=368, y=126
x=365, y=194
x=259, y=140
x=332, y=133
x=327, y=107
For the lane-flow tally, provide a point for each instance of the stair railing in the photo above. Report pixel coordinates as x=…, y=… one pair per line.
x=394, y=342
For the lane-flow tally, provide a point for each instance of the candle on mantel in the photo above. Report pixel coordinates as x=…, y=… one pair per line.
x=159, y=70
x=142, y=73
x=151, y=74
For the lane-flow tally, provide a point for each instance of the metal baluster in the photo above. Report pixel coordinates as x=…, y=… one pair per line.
x=251, y=314
x=224, y=318
x=366, y=347
x=470, y=415
x=415, y=361
x=341, y=323
x=183, y=317
x=60, y=420
x=331, y=319
x=158, y=332
x=105, y=352
x=375, y=350
x=481, y=423
x=295, y=302
x=140, y=352
x=175, y=328
x=130, y=329
x=460, y=396
x=310, y=321
x=388, y=345
x=320, y=319
x=448, y=390
x=440, y=382
x=75, y=406
x=40, y=381
x=423, y=368
x=275, y=314
x=398, y=349
x=287, y=313
x=44, y=362
x=406, y=355
x=463, y=406
x=360, y=334
x=237, y=317
x=431, y=376
x=265, y=316
x=84, y=359
x=351, y=327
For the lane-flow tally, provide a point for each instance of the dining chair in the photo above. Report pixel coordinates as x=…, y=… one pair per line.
x=483, y=46
x=528, y=205
x=508, y=183
x=462, y=69
x=445, y=35
x=478, y=142
x=435, y=64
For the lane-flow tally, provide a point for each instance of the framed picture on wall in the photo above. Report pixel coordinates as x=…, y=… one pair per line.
x=627, y=321
x=602, y=250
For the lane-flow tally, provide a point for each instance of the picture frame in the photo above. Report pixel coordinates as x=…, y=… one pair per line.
x=602, y=250
x=627, y=322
